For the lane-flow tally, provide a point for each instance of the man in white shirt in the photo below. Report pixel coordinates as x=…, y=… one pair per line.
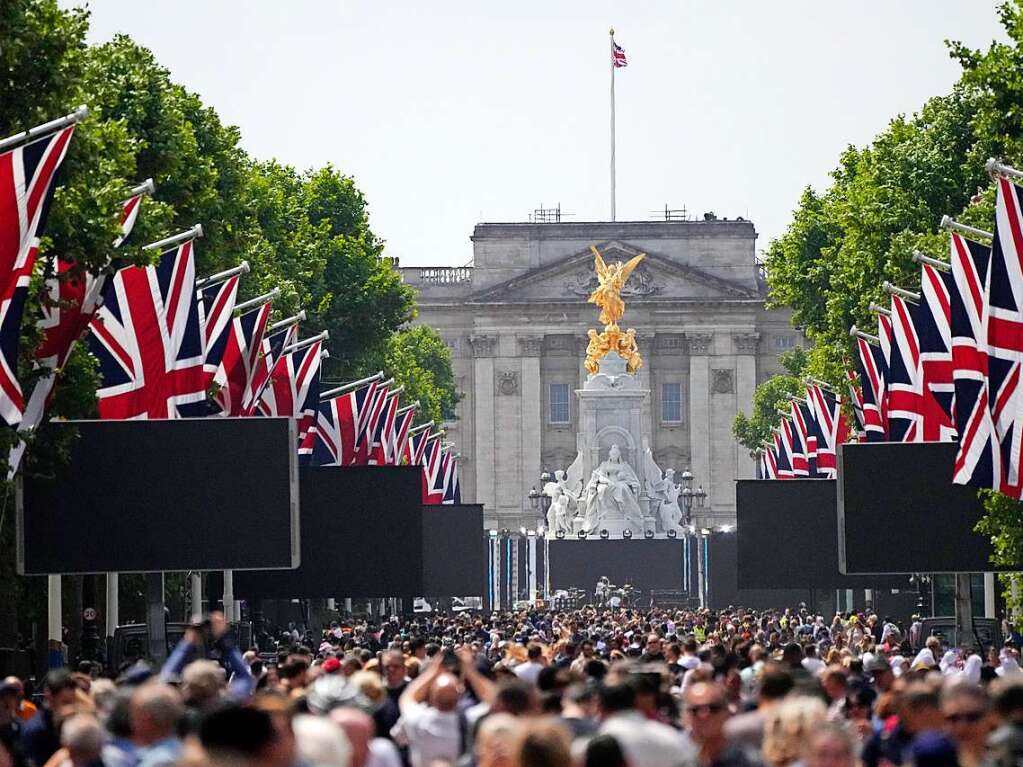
x=646, y=743
x=530, y=670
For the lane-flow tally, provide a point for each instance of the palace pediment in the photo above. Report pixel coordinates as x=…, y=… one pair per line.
x=573, y=279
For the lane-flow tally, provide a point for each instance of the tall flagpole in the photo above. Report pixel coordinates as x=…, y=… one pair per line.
x=612, y=62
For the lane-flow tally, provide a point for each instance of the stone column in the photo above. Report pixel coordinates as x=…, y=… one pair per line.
x=483, y=347
x=530, y=349
x=699, y=408
x=746, y=382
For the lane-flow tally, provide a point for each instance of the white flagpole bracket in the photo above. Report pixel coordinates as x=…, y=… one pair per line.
x=175, y=239
x=895, y=290
x=421, y=428
x=920, y=258
x=878, y=309
x=323, y=336
x=995, y=168
x=286, y=323
x=224, y=276
x=146, y=187
x=252, y=303
x=45, y=129
x=857, y=333
x=947, y=222
x=349, y=386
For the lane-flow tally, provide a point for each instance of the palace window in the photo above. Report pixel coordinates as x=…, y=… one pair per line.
x=784, y=342
x=559, y=403
x=671, y=403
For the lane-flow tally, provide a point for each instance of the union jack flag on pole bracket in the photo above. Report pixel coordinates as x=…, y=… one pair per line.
x=72, y=302
x=147, y=337
x=29, y=165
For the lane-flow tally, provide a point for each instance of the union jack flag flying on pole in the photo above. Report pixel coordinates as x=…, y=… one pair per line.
x=380, y=448
x=270, y=348
x=1005, y=333
x=618, y=56
x=373, y=414
x=401, y=439
x=783, y=460
x=339, y=425
x=415, y=448
x=240, y=359
x=216, y=307
x=904, y=412
x=794, y=448
x=431, y=467
x=768, y=463
x=148, y=341
x=834, y=430
x=856, y=399
x=294, y=392
x=872, y=368
x=28, y=176
x=935, y=333
x=806, y=431
x=452, y=491
x=73, y=296
x=978, y=458
x=73, y=299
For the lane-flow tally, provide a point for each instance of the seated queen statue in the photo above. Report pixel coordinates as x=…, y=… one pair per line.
x=612, y=493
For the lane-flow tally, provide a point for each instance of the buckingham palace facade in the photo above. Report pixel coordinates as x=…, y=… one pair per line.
x=516, y=323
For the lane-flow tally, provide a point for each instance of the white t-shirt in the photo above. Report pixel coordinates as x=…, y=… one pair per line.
x=813, y=665
x=529, y=671
x=431, y=734
x=383, y=753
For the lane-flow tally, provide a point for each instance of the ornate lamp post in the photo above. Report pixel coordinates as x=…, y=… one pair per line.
x=693, y=498
x=540, y=503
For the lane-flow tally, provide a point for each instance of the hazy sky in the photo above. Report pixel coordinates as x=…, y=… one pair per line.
x=450, y=113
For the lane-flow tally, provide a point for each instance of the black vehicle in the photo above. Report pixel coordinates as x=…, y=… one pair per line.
x=987, y=632
x=131, y=642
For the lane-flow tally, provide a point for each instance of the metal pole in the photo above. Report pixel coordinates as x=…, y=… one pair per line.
x=612, y=125
x=224, y=276
x=989, y=595
x=175, y=239
x=701, y=576
x=229, y=595
x=55, y=624
x=46, y=128
x=156, y=622
x=532, y=569
x=964, y=609
x=195, y=588
x=252, y=303
x=286, y=323
x=546, y=568
x=113, y=611
x=353, y=385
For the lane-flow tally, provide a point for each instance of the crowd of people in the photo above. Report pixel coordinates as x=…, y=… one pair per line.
x=591, y=687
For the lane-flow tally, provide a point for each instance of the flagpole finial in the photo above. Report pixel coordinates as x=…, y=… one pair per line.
x=612, y=32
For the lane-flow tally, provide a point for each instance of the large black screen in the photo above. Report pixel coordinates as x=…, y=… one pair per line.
x=788, y=537
x=362, y=537
x=455, y=558
x=186, y=494
x=645, y=564
x=899, y=511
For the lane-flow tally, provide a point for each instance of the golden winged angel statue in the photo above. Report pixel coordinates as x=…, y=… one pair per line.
x=608, y=296
x=612, y=277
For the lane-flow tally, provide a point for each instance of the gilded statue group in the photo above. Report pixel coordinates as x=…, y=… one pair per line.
x=608, y=296
x=613, y=491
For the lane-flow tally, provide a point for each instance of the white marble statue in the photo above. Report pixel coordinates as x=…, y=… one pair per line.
x=558, y=519
x=612, y=493
x=663, y=494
